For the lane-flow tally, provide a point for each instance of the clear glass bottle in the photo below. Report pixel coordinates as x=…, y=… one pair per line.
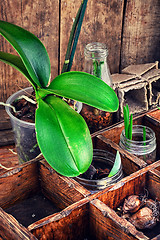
x=104, y=160
x=96, y=64
x=146, y=150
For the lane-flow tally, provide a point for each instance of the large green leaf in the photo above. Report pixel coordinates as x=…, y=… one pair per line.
x=63, y=137
x=31, y=51
x=16, y=62
x=85, y=88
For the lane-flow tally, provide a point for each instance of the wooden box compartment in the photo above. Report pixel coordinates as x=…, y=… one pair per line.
x=40, y=200
x=150, y=119
x=107, y=224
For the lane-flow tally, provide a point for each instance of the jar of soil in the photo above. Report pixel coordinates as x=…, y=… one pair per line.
x=96, y=177
x=96, y=64
x=146, y=150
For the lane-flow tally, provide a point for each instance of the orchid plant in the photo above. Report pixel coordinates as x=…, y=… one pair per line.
x=62, y=134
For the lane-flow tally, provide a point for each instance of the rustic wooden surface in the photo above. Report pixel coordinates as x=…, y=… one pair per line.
x=129, y=28
x=6, y=134
x=18, y=183
x=11, y=229
x=62, y=190
x=105, y=222
x=102, y=23
x=71, y=223
x=140, y=43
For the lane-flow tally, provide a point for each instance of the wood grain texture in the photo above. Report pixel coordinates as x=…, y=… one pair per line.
x=42, y=19
x=105, y=224
x=62, y=190
x=8, y=158
x=141, y=32
x=102, y=23
x=71, y=223
x=11, y=229
x=18, y=183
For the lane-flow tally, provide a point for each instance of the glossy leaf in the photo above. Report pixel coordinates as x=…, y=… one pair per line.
x=16, y=62
x=31, y=51
x=130, y=127
x=116, y=166
x=63, y=137
x=126, y=120
x=85, y=88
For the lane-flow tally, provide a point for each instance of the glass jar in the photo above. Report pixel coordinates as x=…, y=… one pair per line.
x=101, y=160
x=96, y=61
x=96, y=64
x=145, y=150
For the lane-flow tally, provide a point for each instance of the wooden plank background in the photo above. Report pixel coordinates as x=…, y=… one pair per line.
x=130, y=29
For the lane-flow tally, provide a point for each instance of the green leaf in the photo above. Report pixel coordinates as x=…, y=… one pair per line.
x=144, y=135
x=116, y=166
x=126, y=120
x=85, y=88
x=130, y=127
x=63, y=137
x=16, y=62
x=31, y=51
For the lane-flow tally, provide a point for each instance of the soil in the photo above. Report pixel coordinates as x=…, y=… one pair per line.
x=96, y=119
x=94, y=173
x=25, y=110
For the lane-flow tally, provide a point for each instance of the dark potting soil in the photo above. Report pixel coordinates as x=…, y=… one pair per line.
x=32, y=209
x=25, y=110
x=95, y=173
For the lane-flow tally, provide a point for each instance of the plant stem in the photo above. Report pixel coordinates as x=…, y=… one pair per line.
x=144, y=135
x=66, y=62
x=77, y=33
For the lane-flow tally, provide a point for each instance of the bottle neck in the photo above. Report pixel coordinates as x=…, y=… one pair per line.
x=96, y=51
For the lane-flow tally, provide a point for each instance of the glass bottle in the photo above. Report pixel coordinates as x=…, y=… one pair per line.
x=104, y=160
x=145, y=150
x=96, y=64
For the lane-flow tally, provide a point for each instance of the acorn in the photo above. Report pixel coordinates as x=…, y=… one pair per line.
x=144, y=218
x=131, y=204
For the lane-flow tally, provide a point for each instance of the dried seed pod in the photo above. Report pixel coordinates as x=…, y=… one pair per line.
x=143, y=218
x=132, y=204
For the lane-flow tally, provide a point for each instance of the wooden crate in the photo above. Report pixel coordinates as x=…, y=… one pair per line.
x=40, y=200
x=38, y=203
x=106, y=223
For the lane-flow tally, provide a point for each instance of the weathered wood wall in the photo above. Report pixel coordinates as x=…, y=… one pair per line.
x=130, y=29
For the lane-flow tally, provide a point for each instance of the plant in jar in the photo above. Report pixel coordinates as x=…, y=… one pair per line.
x=138, y=139
x=62, y=134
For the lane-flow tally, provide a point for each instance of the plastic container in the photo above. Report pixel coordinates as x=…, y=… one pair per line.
x=24, y=132
x=96, y=64
x=146, y=150
x=101, y=159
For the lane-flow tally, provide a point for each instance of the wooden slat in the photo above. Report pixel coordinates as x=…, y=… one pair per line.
x=102, y=23
x=42, y=19
x=8, y=158
x=18, y=183
x=6, y=134
x=11, y=229
x=71, y=223
x=141, y=32
x=62, y=190
x=105, y=223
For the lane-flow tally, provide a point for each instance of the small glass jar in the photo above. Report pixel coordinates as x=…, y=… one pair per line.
x=101, y=159
x=96, y=64
x=145, y=150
